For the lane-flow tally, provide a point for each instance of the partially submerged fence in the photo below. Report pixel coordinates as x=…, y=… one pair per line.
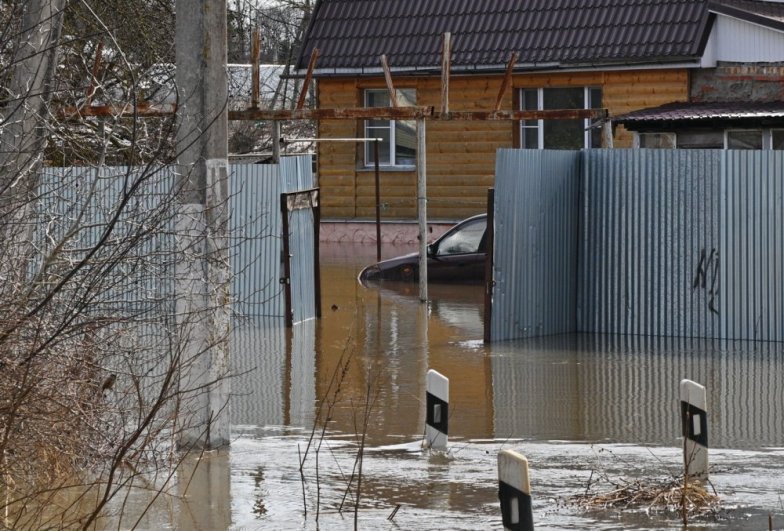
x=652, y=242
x=77, y=205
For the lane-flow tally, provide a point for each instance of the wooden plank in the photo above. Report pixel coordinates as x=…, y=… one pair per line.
x=388, y=79
x=505, y=82
x=308, y=78
x=255, y=54
x=446, y=66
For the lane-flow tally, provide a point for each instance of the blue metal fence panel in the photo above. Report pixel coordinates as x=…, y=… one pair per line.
x=79, y=202
x=256, y=239
x=649, y=242
x=671, y=243
x=297, y=174
x=752, y=241
x=78, y=207
x=535, y=255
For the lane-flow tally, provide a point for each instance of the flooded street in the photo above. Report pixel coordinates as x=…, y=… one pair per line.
x=579, y=407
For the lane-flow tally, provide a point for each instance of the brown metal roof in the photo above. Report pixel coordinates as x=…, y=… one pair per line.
x=739, y=112
x=352, y=34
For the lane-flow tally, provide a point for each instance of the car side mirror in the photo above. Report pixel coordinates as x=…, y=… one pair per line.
x=432, y=249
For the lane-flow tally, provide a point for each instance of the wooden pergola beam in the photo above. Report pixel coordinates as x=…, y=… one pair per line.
x=142, y=110
x=358, y=113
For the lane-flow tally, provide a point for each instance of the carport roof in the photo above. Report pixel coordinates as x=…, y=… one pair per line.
x=686, y=113
x=547, y=34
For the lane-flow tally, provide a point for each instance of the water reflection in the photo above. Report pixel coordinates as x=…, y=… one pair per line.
x=625, y=389
x=275, y=373
x=569, y=387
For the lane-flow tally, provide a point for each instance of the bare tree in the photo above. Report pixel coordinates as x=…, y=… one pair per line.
x=91, y=399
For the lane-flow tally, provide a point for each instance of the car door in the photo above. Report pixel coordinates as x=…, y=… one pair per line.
x=459, y=256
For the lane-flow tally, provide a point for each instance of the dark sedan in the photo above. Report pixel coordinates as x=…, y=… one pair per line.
x=457, y=256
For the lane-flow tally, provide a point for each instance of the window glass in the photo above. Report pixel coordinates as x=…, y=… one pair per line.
x=657, y=140
x=778, y=138
x=744, y=139
x=465, y=240
x=701, y=140
x=398, y=145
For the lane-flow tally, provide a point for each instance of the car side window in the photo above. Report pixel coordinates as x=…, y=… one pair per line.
x=465, y=240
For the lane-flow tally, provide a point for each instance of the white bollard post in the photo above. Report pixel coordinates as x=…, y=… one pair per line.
x=694, y=420
x=437, y=415
x=514, y=491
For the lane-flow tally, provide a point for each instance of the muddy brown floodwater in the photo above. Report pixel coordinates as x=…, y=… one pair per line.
x=578, y=406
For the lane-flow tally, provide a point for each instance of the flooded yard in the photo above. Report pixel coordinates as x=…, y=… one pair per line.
x=580, y=407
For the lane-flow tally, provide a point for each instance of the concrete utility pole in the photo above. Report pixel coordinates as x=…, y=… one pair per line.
x=203, y=270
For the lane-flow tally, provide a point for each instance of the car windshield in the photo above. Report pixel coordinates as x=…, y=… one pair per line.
x=467, y=239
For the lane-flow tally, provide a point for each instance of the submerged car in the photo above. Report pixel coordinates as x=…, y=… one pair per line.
x=457, y=256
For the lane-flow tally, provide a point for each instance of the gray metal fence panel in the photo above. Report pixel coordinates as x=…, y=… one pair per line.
x=535, y=253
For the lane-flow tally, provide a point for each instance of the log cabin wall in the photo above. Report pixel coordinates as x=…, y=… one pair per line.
x=460, y=154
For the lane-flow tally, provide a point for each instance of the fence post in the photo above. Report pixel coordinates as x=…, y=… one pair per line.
x=437, y=416
x=694, y=421
x=514, y=491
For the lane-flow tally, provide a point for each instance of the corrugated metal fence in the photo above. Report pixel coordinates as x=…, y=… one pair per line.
x=84, y=199
x=671, y=243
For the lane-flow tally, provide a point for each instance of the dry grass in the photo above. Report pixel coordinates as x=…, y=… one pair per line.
x=663, y=496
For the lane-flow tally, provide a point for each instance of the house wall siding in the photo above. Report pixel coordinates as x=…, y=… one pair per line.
x=742, y=41
x=460, y=154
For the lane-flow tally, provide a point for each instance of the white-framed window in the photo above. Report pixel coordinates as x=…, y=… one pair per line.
x=398, y=145
x=559, y=134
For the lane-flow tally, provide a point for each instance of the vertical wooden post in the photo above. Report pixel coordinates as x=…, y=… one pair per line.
x=422, y=206
x=255, y=70
x=437, y=413
x=446, y=66
x=608, y=136
x=694, y=421
x=317, y=245
x=286, y=279
x=276, y=142
x=514, y=491
x=489, y=245
x=378, y=201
